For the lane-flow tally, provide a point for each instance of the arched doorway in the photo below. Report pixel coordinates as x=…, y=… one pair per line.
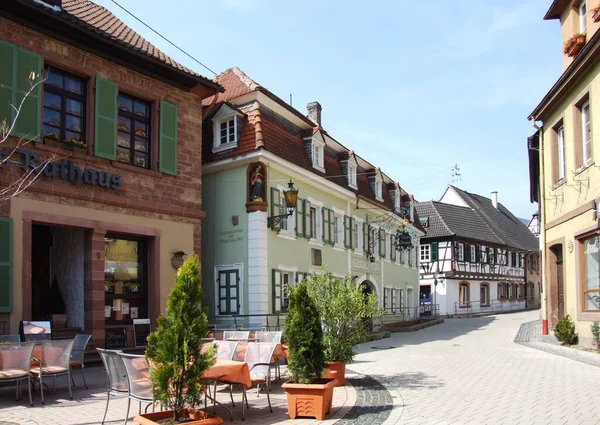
x=368, y=288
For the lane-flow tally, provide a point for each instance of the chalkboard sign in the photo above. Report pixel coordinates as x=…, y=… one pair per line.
x=116, y=338
x=141, y=330
x=35, y=331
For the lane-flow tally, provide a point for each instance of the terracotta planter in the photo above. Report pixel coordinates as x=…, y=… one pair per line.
x=59, y=321
x=337, y=371
x=199, y=417
x=312, y=400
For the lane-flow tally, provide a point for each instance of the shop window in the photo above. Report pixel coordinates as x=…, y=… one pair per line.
x=463, y=295
x=125, y=279
x=484, y=295
x=64, y=108
x=591, y=273
x=133, y=138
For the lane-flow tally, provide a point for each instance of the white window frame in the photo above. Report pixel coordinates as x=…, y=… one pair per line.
x=461, y=252
x=217, y=145
x=388, y=247
x=425, y=252
x=317, y=234
x=216, y=270
x=290, y=221
x=397, y=201
x=586, y=136
x=339, y=217
x=562, y=164
x=360, y=236
x=483, y=254
x=352, y=173
x=318, y=160
x=582, y=16
x=473, y=254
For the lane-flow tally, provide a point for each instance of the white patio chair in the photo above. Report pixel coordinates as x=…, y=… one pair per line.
x=15, y=365
x=138, y=379
x=77, y=354
x=258, y=357
x=236, y=335
x=116, y=375
x=55, y=361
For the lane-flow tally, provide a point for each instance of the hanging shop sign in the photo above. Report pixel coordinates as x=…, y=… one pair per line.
x=63, y=170
x=404, y=241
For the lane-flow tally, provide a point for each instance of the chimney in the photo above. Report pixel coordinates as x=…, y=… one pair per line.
x=495, y=199
x=314, y=112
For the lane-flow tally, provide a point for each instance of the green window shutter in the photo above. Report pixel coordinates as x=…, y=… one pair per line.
x=347, y=232
x=15, y=69
x=276, y=281
x=7, y=80
x=6, y=265
x=393, y=253
x=28, y=124
x=275, y=205
x=168, y=138
x=105, y=137
x=366, y=239
x=434, y=251
x=299, y=217
x=382, y=243
x=325, y=221
x=467, y=253
x=332, y=227
x=308, y=220
x=455, y=251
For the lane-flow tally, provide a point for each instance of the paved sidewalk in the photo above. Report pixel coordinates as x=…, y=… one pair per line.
x=87, y=406
x=470, y=371
x=530, y=335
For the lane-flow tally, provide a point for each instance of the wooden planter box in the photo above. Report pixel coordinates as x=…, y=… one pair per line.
x=576, y=44
x=596, y=15
x=312, y=400
x=198, y=417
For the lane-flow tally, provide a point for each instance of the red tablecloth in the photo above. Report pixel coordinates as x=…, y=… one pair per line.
x=229, y=371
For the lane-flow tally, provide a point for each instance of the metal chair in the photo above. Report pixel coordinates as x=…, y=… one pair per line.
x=237, y=335
x=55, y=361
x=79, y=344
x=225, y=349
x=15, y=365
x=272, y=336
x=258, y=357
x=116, y=375
x=10, y=338
x=138, y=380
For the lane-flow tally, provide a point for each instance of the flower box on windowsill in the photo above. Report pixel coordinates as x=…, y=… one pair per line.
x=596, y=14
x=57, y=144
x=574, y=45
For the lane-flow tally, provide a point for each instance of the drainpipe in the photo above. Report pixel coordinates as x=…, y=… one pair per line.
x=542, y=204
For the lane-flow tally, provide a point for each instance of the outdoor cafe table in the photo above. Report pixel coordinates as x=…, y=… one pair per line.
x=230, y=371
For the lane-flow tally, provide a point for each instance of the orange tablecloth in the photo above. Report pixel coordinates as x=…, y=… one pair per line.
x=229, y=371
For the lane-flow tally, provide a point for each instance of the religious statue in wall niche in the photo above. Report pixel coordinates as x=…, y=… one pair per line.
x=257, y=184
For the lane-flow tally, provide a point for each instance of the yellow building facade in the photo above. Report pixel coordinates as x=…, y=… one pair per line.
x=564, y=175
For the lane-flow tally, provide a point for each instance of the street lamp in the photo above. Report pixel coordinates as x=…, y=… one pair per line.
x=291, y=197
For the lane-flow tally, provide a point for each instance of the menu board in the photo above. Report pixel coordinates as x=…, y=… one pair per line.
x=35, y=331
x=141, y=330
x=116, y=338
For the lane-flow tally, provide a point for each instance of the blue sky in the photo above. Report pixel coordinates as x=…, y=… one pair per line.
x=412, y=87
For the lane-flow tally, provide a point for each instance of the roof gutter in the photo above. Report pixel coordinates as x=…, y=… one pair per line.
x=589, y=53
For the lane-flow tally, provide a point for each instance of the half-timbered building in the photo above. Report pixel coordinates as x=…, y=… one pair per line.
x=477, y=256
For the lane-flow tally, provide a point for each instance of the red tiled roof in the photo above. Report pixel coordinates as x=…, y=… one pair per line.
x=236, y=84
x=101, y=21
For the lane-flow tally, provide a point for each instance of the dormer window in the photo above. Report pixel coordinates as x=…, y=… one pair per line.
x=317, y=150
x=378, y=191
x=226, y=129
x=352, y=175
x=582, y=17
x=397, y=200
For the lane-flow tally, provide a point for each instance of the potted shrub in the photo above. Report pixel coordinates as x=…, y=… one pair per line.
x=343, y=308
x=58, y=315
x=565, y=332
x=308, y=394
x=596, y=334
x=176, y=362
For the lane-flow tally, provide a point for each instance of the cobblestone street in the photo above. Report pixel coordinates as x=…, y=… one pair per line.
x=488, y=370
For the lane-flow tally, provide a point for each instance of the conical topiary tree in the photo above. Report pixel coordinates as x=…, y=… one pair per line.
x=304, y=336
x=176, y=363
